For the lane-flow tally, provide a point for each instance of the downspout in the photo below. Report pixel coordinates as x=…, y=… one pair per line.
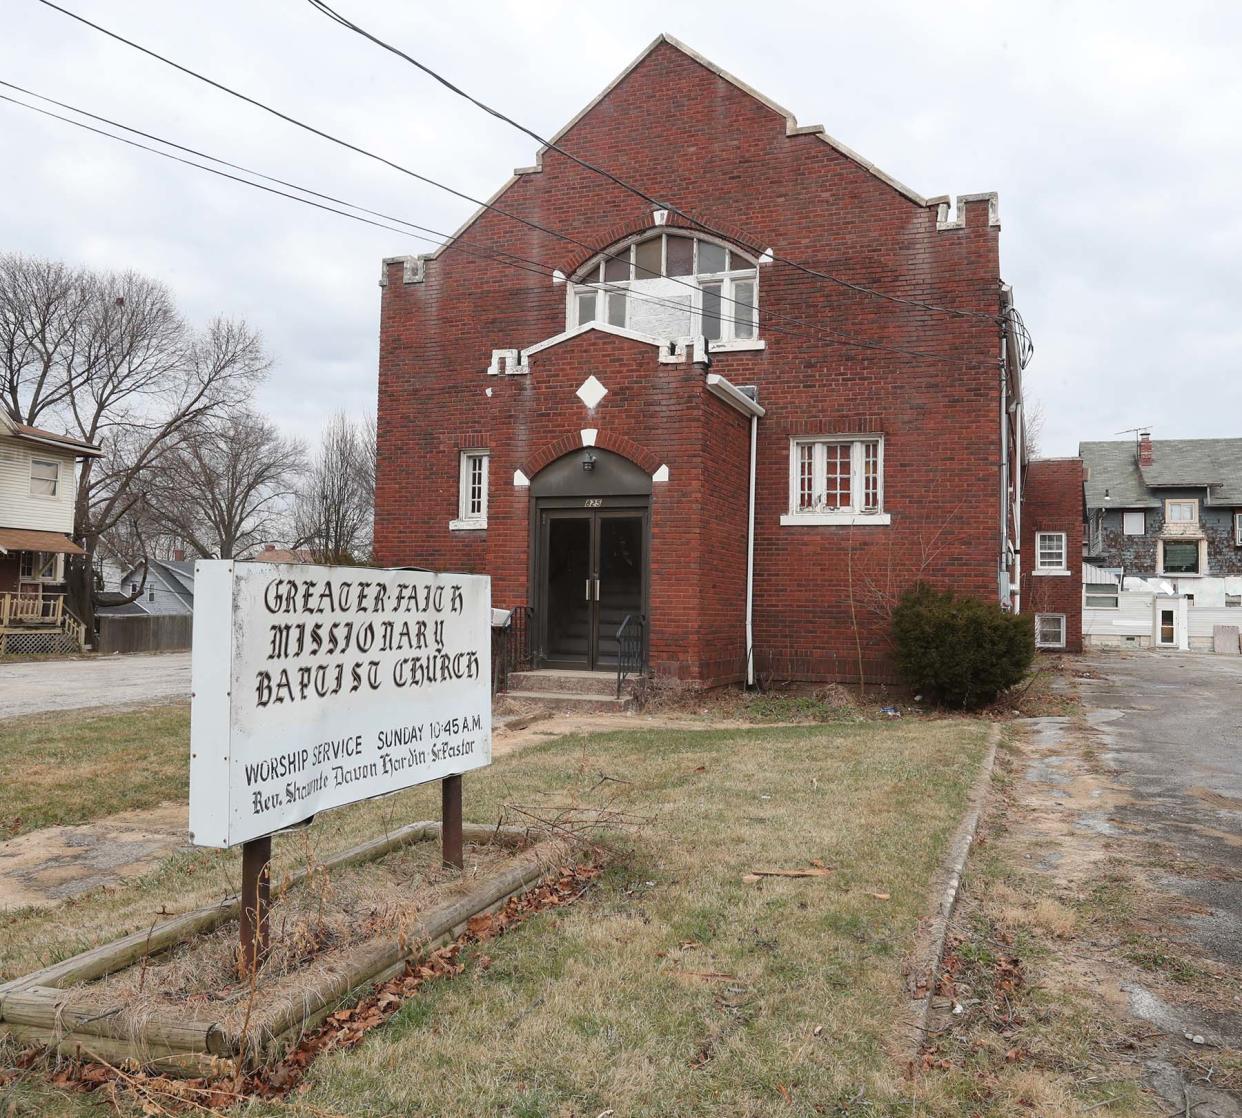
x=750, y=557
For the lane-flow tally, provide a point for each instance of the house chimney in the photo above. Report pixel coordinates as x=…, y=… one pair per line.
x=1144, y=448
x=178, y=554
x=269, y=547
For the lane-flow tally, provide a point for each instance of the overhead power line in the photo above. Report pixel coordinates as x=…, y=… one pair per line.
x=456, y=241
x=326, y=9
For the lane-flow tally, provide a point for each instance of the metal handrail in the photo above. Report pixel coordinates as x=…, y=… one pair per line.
x=629, y=648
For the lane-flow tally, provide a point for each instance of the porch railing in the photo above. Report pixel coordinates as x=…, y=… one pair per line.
x=22, y=609
x=630, y=636
x=513, y=647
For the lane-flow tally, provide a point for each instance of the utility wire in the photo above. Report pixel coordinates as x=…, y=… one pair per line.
x=325, y=9
x=839, y=340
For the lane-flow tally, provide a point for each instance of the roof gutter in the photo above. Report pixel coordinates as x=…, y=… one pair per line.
x=733, y=396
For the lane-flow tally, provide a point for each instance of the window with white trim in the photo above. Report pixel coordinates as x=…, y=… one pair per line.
x=1237, y=528
x=1134, y=522
x=1181, y=557
x=1050, y=630
x=671, y=285
x=472, y=490
x=1050, y=551
x=44, y=477
x=1101, y=595
x=42, y=566
x=833, y=476
x=1233, y=601
x=1181, y=512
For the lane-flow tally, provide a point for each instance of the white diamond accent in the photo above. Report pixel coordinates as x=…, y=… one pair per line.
x=661, y=474
x=591, y=392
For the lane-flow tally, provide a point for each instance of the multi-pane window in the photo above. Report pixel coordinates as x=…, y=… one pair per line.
x=472, y=493
x=1050, y=630
x=836, y=475
x=1101, y=595
x=671, y=285
x=41, y=566
x=1050, y=551
x=44, y=477
x=1181, y=512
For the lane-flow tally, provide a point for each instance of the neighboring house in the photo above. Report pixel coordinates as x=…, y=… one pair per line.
x=1052, y=521
x=169, y=588
x=38, y=490
x=591, y=434
x=1163, y=540
x=273, y=554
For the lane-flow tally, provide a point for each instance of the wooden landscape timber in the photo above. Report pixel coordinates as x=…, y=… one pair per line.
x=40, y=1009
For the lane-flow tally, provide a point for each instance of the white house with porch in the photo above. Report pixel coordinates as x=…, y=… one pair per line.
x=38, y=490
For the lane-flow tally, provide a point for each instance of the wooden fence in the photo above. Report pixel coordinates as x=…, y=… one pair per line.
x=154, y=633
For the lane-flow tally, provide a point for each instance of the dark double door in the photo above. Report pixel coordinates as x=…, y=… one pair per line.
x=592, y=573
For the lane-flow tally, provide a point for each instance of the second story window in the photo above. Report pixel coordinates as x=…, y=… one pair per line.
x=44, y=477
x=671, y=285
x=1184, y=514
x=1050, y=551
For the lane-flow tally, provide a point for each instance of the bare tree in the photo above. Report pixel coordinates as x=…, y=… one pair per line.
x=227, y=484
x=108, y=358
x=1032, y=427
x=334, y=508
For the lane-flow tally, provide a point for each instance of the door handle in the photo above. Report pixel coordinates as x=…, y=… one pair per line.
x=588, y=589
x=597, y=590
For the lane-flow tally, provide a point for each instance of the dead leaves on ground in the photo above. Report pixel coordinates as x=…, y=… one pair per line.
x=341, y=1030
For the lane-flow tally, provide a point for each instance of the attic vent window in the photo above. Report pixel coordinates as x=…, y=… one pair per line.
x=671, y=285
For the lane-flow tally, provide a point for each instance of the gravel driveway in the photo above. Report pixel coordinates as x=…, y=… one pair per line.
x=105, y=681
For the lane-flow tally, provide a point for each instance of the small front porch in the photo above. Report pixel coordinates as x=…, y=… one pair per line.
x=33, y=617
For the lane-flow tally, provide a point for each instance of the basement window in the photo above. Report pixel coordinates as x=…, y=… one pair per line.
x=835, y=480
x=471, y=492
x=1050, y=630
x=672, y=285
x=1050, y=553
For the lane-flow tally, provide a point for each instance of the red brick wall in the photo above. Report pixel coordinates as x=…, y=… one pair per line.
x=687, y=135
x=1053, y=503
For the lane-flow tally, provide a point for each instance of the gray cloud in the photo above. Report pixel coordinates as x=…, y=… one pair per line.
x=1110, y=130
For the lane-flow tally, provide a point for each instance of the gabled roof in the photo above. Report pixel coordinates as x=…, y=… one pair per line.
x=1113, y=468
x=80, y=447
x=792, y=128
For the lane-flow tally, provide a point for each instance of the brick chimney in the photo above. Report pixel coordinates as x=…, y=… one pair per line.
x=1144, y=448
x=178, y=554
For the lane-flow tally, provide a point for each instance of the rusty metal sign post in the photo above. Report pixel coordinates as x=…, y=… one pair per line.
x=256, y=896
x=450, y=822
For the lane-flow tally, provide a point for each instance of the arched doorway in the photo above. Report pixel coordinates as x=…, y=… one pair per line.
x=591, y=545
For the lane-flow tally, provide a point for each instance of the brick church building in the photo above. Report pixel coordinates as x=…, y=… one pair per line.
x=745, y=417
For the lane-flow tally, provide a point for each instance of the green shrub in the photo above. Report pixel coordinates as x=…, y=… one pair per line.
x=958, y=651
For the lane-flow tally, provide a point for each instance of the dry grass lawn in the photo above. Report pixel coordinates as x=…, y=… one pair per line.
x=73, y=767
x=674, y=987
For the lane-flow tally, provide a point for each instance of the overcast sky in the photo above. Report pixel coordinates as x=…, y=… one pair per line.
x=1113, y=133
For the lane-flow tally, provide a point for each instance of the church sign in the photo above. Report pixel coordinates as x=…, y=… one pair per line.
x=317, y=686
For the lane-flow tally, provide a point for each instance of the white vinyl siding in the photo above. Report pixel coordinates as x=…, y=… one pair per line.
x=19, y=506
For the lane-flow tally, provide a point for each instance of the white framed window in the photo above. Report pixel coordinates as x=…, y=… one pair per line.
x=1050, y=630
x=672, y=285
x=42, y=566
x=1181, y=557
x=1134, y=522
x=1237, y=529
x=44, y=477
x=1050, y=557
x=1101, y=595
x=1233, y=601
x=471, y=492
x=1181, y=512
x=836, y=480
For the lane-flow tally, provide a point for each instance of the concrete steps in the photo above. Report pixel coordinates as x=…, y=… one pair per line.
x=587, y=692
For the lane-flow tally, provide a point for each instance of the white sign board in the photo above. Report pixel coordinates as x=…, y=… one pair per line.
x=317, y=686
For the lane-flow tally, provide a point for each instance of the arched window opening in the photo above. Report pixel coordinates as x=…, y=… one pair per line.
x=671, y=285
